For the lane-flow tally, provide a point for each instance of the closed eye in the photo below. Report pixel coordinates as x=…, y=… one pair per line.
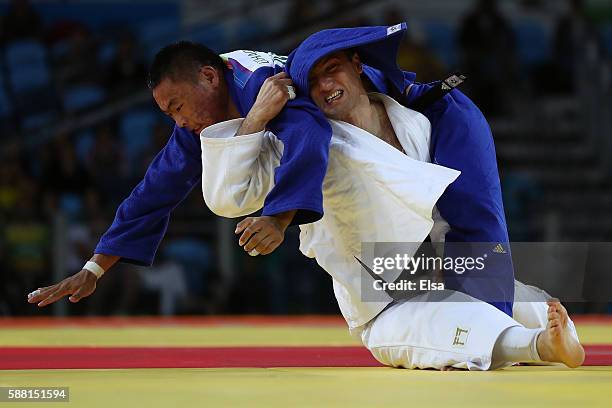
x=178, y=109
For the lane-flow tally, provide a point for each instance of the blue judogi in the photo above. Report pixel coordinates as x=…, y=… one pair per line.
x=142, y=219
x=461, y=139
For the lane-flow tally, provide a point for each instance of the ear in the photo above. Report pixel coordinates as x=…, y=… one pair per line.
x=356, y=61
x=209, y=75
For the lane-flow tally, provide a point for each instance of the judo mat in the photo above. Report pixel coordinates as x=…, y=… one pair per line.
x=269, y=361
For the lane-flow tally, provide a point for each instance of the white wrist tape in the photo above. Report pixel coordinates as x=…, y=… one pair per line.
x=94, y=268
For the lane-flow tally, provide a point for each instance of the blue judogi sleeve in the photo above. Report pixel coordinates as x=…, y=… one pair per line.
x=461, y=139
x=305, y=133
x=142, y=218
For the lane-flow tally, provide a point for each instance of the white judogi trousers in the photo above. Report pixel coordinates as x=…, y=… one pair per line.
x=431, y=331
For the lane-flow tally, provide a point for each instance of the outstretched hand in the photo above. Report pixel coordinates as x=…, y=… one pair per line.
x=79, y=285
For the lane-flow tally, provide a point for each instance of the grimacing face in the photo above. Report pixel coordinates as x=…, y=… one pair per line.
x=335, y=84
x=194, y=104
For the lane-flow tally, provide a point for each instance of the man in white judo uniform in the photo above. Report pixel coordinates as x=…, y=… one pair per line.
x=379, y=187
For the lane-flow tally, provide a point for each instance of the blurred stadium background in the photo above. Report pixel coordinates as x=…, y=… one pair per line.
x=78, y=128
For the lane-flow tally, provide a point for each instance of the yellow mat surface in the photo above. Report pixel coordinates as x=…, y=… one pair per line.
x=218, y=336
x=324, y=387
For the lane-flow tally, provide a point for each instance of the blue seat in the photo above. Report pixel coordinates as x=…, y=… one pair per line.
x=441, y=39
x=60, y=49
x=196, y=258
x=84, y=141
x=28, y=78
x=136, y=130
x=211, y=35
x=7, y=125
x=107, y=52
x=37, y=120
x=81, y=97
x=26, y=63
x=24, y=52
x=533, y=42
x=71, y=205
x=6, y=108
x=248, y=30
x=155, y=34
x=606, y=36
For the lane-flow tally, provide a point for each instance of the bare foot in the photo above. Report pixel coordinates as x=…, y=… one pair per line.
x=556, y=343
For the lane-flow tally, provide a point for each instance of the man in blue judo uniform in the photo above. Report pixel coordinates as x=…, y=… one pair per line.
x=197, y=89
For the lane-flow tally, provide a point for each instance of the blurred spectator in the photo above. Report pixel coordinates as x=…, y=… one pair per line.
x=521, y=194
x=108, y=166
x=161, y=132
x=576, y=43
x=26, y=242
x=126, y=71
x=11, y=180
x=119, y=292
x=62, y=31
x=79, y=64
x=79, y=242
x=16, y=185
x=166, y=277
x=300, y=13
x=413, y=54
x=575, y=36
x=359, y=20
x=195, y=258
x=488, y=50
x=65, y=180
x=251, y=26
x=21, y=21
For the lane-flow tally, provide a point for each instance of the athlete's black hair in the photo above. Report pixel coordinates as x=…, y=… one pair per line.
x=182, y=61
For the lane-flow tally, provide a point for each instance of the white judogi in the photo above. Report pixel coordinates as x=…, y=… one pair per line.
x=367, y=186
x=372, y=192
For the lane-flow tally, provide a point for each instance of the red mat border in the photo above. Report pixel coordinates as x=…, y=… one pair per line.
x=25, y=358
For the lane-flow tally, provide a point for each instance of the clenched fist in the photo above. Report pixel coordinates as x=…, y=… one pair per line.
x=272, y=97
x=260, y=234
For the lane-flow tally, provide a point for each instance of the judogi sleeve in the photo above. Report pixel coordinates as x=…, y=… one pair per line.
x=305, y=135
x=142, y=219
x=298, y=180
x=237, y=171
